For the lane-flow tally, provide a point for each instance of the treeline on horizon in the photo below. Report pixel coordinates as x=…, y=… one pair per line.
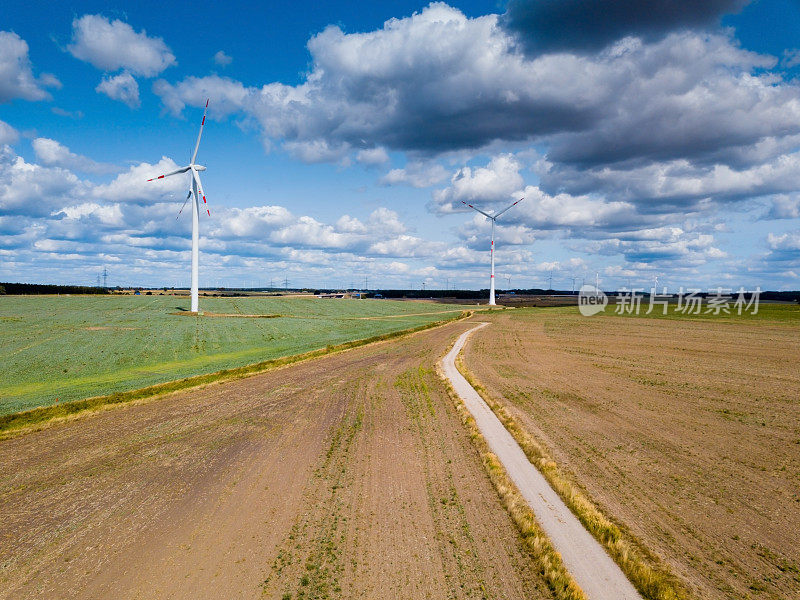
x=8, y=288
x=48, y=288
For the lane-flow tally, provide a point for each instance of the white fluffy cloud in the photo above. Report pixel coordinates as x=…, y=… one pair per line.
x=122, y=87
x=222, y=59
x=111, y=45
x=54, y=154
x=227, y=94
x=16, y=75
x=686, y=248
x=33, y=190
x=372, y=156
x=132, y=185
x=785, y=206
x=418, y=174
x=787, y=242
x=8, y=135
x=495, y=182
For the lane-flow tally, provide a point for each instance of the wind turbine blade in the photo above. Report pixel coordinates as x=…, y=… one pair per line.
x=199, y=134
x=189, y=195
x=512, y=206
x=200, y=189
x=478, y=209
x=182, y=170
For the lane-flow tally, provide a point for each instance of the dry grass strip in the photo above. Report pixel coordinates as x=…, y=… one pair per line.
x=651, y=577
x=546, y=558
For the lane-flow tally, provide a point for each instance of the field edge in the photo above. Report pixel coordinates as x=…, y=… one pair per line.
x=27, y=421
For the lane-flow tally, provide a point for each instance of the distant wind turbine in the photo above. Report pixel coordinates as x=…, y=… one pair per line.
x=493, y=219
x=196, y=188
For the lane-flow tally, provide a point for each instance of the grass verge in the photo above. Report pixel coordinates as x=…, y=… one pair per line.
x=31, y=420
x=649, y=576
x=546, y=558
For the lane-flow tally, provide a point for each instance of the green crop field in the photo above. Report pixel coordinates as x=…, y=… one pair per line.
x=57, y=349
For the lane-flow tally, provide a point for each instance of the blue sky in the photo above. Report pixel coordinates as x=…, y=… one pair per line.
x=649, y=138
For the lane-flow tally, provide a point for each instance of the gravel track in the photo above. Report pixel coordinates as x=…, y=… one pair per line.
x=592, y=568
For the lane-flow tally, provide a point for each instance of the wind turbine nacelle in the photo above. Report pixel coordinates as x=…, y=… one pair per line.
x=199, y=168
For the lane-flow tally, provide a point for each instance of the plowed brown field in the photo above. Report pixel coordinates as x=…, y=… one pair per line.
x=348, y=476
x=687, y=432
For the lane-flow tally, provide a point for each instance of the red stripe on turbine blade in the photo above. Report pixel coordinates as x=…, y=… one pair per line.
x=204, y=200
x=209, y=212
x=207, y=99
x=151, y=179
x=203, y=122
x=160, y=177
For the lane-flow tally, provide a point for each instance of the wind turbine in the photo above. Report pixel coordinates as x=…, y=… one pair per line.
x=493, y=219
x=196, y=188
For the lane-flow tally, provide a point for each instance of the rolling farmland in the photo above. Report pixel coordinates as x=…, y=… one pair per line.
x=350, y=476
x=684, y=431
x=57, y=349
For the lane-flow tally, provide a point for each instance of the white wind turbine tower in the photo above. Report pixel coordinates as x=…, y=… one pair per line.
x=493, y=219
x=196, y=189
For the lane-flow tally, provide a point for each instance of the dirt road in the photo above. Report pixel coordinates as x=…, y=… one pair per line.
x=348, y=476
x=591, y=567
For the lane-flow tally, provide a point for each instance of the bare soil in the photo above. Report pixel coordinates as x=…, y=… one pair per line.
x=685, y=432
x=349, y=476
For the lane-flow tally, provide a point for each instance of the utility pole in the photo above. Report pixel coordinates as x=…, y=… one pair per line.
x=285, y=283
x=573, y=283
x=366, y=281
x=551, y=280
x=597, y=280
x=105, y=277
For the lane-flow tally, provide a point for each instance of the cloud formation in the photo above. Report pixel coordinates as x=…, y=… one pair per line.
x=626, y=144
x=222, y=59
x=51, y=153
x=111, y=45
x=589, y=25
x=8, y=135
x=16, y=74
x=439, y=82
x=122, y=87
x=496, y=182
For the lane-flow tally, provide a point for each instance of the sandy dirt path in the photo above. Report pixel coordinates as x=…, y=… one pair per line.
x=344, y=477
x=592, y=568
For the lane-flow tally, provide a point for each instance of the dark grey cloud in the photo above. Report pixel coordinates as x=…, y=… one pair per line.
x=590, y=25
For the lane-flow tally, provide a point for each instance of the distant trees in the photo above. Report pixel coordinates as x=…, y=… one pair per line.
x=40, y=288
